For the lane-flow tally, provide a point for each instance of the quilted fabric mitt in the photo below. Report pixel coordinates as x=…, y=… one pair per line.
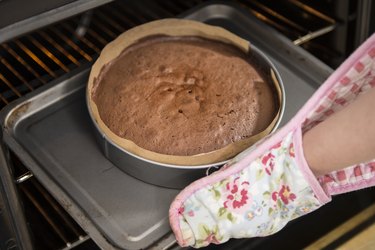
x=263, y=188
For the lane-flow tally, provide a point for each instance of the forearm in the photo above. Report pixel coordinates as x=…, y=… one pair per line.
x=344, y=139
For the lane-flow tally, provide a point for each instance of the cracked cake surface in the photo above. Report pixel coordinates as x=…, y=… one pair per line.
x=183, y=95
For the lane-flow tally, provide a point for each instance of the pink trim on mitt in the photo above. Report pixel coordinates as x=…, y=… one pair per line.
x=351, y=186
x=349, y=179
x=309, y=176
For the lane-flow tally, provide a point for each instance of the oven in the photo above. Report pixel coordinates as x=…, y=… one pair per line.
x=57, y=190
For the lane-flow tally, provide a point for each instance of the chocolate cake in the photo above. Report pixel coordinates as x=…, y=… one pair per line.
x=183, y=95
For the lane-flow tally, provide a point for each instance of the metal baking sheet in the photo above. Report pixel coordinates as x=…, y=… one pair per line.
x=51, y=132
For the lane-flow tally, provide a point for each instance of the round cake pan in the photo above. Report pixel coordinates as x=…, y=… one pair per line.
x=179, y=176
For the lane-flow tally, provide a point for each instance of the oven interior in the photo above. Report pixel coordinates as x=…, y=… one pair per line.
x=327, y=29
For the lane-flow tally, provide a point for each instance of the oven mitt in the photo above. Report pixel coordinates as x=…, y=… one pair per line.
x=263, y=188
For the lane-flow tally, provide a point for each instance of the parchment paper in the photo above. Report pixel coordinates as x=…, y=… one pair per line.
x=173, y=27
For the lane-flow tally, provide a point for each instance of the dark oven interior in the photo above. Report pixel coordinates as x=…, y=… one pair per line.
x=330, y=30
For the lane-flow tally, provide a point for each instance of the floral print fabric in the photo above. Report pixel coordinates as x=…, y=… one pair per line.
x=257, y=201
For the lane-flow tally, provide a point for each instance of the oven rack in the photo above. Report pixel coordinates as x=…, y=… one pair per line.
x=34, y=59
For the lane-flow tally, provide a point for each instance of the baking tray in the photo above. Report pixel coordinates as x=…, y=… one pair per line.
x=51, y=132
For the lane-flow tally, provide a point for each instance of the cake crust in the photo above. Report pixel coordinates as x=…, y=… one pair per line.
x=177, y=28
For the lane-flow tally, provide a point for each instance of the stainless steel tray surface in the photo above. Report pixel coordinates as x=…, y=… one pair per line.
x=51, y=132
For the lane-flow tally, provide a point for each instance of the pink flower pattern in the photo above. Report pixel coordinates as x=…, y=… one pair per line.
x=268, y=162
x=291, y=150
x=237, y=195
x=212, y=239
x=284, y=194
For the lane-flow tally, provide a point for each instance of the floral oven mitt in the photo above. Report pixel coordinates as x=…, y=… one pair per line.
x=263, y=188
